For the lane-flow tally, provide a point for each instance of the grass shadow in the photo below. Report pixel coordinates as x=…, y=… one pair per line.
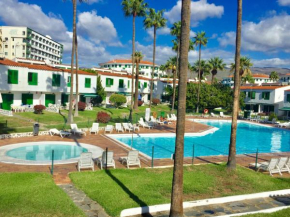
x=4, y=129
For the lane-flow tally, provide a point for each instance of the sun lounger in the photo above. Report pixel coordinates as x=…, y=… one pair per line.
x=213, y=115
x=119, y=127
x=143, y=124
x=134, y=127
x=76, y=130
x=286, y=167
x=106, y=163
x=271, y=166
x=95, y=128
x=61, y=133
x=126, y=127
x=109, y=128
x=86, y=161
x=169, y=118
x=132, y=159
x=173, y=117
x=286, y=125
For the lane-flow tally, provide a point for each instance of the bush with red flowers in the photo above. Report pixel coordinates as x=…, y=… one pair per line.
x=140, y=103
x=81, y=106
x=155, y=101
x=103, y=117
x=38, y=109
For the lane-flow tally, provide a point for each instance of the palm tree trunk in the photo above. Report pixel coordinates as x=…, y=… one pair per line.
x=176, y=209
x=174, y=77
x=70, y=116
x=232, y=150
x=133, y=65
x=152, y=75
x=199, y=80
x=77, y=76
x=212, y=77
x=136, y=87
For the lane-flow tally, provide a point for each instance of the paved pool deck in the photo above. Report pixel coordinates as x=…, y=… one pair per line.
x=101, y=140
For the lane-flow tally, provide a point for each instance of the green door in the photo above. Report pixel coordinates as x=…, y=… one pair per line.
x=64, y=99
x=82, y=98
x=7, y=101
x=49, y=98
x=27, y=99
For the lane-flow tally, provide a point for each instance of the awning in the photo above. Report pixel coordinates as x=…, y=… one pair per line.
x=90, y=95
x=125, y=94
x=285, y=109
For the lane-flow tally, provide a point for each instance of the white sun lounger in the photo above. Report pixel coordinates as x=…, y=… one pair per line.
x=134, y=127
x=110, y=160
x=132, y=159
x=284, y=164
x=119, y=127
x=126, y=127
x=271, y=166
x=61, y=133
x=95, y=128
x=86, y=161
x=109, y=128
x=76, y=130
x=213, y=115
x=143, y=124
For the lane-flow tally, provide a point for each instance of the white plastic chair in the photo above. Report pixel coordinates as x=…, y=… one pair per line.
x=61, y=133
x=76, y=130
x=109, y=128
x=126, y=127
x=119, y=127
x=110, y=160
x=132, y=159
x=271, y=166
x=86, y=161
x=95, y=128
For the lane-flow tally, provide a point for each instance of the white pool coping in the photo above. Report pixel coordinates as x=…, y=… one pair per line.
x=96, y=152
x=206, y=202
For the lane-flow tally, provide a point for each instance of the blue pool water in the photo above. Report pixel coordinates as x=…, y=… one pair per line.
x=44, y=152
x=250, y=137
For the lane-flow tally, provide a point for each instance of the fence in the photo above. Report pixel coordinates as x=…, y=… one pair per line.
x=6, y=112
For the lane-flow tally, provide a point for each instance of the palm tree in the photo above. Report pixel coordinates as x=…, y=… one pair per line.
x=216, y=64
x=171, y=64
x=175, y=45
x=231, y=164
x=77, y=77
x=134, y=8
x=201, y=67
x=163, y=68
x=274, y=76
x=199, y=40
x=138, y=57
x=176, y=31
x=155, y=20
x=247, y=78
x=245, y=65
x=176, y=208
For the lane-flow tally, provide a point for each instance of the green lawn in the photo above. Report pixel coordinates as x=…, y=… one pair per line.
x=281, y=213
x=120, y=189
x=50, y=120
x=33, y=194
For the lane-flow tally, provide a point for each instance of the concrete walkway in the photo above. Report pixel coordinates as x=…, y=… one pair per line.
x=232, y=207
x=90, y=207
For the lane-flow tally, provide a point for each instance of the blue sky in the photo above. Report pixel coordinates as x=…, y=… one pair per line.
x=105, y=34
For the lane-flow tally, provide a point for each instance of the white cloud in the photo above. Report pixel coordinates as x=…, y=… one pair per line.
x=98, y=29
x=200, y=10
x=284, y=2
x=269, y=35
x=161, y=31
x=93, y=1
x=273, y=62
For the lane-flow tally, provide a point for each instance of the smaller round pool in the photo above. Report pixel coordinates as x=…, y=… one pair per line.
x=40, y=153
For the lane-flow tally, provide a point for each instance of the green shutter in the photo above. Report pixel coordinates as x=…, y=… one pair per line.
x=87, y=82
x=128, y=84
x=69, y=81
x=12, y=76
x=249, y=94
x=107, y=82
x=55, y=80
x=145, y=84
x=253, y=95
x=139, y=84
x=32, y=78
x=121, y=83
x=263, y=95
x=112, y=81
x=267, y=95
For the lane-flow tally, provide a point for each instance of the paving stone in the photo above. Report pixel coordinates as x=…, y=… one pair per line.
x=95, y=206
x=191, y=213
x=265, y=206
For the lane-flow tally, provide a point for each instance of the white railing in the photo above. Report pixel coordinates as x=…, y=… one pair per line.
x=6, y=112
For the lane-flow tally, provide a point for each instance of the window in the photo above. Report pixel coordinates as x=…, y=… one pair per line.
x=120, y=66
x=12, y=39
x=145, y=84
x=23, y=54
x=288, y=98
x=128, y=84
x=109, y=82
x=23, y=32
x=6, y=53
x=55, y=80
x=23, y=47
x=12, y=76
x=32, y=78
x=139, y=84
x=87, y=83
x=121, y=83
x=68, y=81
x=266, y=95
x=252, y=94
x=6, y=46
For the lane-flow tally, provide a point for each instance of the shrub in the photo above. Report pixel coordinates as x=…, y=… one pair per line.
x=118, y=100
x=272, y=115
x=38, y=109
x=103, y=117
x=155, y=101
x=81, y=106
x=140, y=103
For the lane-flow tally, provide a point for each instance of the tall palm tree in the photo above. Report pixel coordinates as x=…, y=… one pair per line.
x=216, y=64
x=199, y=40
x=163, y=68
x=274, y=76
x=245, y=66
x=155, y=20
x=134, y=8
x=171, y=64
x=77, y=77
x=201, y=67
x=175, y=45
x=247, y=79
x=231, y=164
x=176, y=31
x=138, y=57
x=176, y=208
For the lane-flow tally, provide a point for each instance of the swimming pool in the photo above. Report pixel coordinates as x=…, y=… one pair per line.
x=40, y=153
x=250, y=137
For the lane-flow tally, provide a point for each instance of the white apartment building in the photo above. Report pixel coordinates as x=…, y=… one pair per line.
x=24, y=42
x=125, y=65
x=27, y=84
x=265, y=99
x=285, y=79
x=259, y=79
x=286, y=105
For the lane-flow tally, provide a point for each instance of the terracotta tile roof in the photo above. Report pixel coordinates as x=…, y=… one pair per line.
x=261, y=87
x=8, y=62
x=288, y=74
x=128, y=61
x=255, y=76
x=122, y=75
